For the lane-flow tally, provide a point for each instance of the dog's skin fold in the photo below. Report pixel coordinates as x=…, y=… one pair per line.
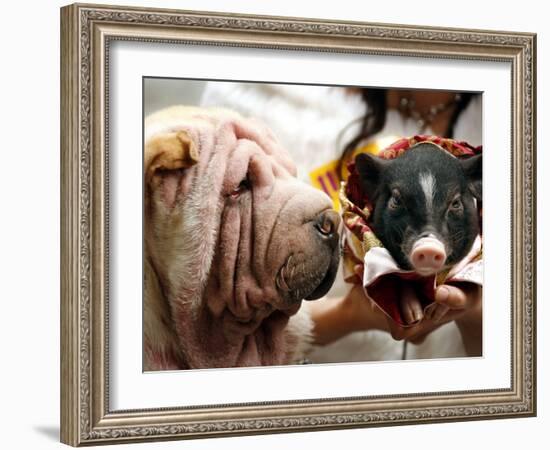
x=233, y=243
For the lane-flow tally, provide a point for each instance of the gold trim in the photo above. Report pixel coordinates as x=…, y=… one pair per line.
x=86, y=31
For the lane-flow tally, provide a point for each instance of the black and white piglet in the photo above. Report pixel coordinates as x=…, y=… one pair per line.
x=424, y=205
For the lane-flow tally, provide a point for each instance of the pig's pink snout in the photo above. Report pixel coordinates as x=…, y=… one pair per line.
x=428, y=256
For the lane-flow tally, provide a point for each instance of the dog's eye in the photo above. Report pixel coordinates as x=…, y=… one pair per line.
x=243, y=186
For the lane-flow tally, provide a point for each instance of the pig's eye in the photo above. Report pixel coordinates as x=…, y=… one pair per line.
x=395, y=201
x=243, y=186
x=456, y=205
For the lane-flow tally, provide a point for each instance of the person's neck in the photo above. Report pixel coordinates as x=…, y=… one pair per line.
x=422, y=103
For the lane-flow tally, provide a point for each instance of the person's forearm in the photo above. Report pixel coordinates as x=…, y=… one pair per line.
x=329, y=320
x=334, y=318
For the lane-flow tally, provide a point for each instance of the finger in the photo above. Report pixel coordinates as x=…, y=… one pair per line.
x=430, y=311
x=451, y=296
x=419, y=339
x=407, y=311
x=439, y=313
x=397, y=332
x=410, y=305
x=425, y=329
x=416, y=307
x=411, y=310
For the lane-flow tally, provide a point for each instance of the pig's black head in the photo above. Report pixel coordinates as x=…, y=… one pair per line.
x=424, y=205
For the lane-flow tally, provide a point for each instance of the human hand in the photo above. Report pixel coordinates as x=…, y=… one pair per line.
x=335, y=318
x=459, y=302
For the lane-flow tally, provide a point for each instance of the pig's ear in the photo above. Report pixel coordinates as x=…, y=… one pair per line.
x=167, y=157
x=370, y=169
x=473, y=169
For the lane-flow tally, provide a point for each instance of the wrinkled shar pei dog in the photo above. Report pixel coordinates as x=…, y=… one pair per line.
x=233, y=243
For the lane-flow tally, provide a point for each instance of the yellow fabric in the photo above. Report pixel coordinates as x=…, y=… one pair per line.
x=327, y=180
x=326, y=177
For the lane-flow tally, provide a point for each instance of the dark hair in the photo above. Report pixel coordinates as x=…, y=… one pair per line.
x=375, y=118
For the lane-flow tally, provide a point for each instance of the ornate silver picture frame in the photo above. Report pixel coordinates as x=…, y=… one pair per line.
x=87, y=34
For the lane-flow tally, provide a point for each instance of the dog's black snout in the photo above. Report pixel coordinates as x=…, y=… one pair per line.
x=327, y=223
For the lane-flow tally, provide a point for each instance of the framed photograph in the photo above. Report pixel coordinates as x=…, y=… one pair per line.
x=277, y=225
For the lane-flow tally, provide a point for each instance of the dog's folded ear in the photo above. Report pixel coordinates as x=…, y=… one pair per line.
x=167, y=152
x=168, y=156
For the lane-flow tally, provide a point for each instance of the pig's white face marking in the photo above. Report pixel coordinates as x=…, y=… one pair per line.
x=427, y=183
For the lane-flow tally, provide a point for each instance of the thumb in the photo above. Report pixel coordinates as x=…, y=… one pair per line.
x=451, y=296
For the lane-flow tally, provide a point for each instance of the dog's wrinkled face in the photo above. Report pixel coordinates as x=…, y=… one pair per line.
x=236, y=240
